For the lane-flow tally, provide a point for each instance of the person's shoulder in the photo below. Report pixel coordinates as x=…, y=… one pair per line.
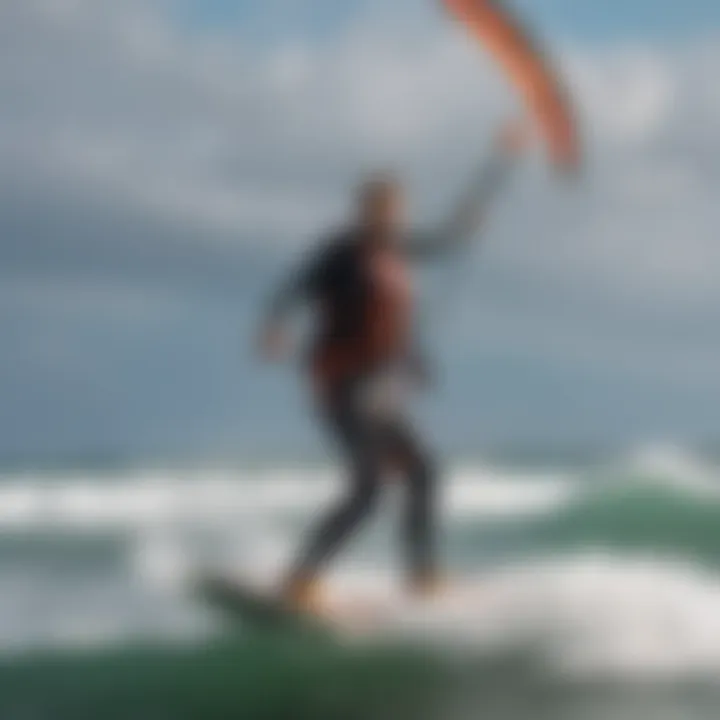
x=344, y=237
x=338, y=244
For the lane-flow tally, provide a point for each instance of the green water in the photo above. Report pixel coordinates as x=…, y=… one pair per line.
x=264, y=678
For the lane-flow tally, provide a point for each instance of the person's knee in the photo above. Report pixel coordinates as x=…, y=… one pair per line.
x=367, y=491
x=363, y=502
x=422, y=467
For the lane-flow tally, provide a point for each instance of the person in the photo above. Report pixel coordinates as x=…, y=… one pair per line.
x=358, y=285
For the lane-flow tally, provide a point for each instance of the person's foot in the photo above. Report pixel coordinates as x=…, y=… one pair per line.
x=303, y=595
x=426, y=586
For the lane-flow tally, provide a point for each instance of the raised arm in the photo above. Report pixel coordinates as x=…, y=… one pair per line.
x=469, y=213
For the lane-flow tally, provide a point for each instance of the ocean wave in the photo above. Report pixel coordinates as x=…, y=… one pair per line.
x=660, y=500
x=140, y=500
x=583, y=614
x=602, y=570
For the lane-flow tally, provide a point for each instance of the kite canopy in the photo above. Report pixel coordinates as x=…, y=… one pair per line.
x=530, y=72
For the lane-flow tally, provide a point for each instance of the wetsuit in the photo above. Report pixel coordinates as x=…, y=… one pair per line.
x=363, y=349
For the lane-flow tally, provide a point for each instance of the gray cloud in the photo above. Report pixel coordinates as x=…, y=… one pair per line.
x=139, y=157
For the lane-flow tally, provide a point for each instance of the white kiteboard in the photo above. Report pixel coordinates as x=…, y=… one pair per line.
x=367, y=611
x=261, y=607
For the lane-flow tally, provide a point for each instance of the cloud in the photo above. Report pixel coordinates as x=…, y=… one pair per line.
x=112, y=103
x=135, y=151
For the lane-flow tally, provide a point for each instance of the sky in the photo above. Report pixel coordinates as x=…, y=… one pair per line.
x=164, y=162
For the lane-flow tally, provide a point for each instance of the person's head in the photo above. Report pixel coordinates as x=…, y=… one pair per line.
x=382, y=207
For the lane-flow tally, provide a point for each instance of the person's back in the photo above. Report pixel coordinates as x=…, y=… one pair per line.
x=363, y=301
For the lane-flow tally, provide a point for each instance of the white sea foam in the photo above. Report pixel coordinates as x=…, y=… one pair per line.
x=141, y=498
x=594, y=615
x=590, y=614
x=675, y=466
x=151, y=499
x=586, y=617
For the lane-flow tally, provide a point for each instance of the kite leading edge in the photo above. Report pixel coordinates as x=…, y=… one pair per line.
x=529, y=70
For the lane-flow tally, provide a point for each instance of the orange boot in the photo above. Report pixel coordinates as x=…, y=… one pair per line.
x=303, y=595
x=426, y=586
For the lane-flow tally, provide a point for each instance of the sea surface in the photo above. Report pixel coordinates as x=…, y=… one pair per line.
x=590, y=591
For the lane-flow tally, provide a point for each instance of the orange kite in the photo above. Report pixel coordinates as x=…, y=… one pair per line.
x=530, y=72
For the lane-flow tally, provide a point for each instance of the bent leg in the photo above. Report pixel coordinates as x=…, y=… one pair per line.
x=339, y=524
x=359, y=439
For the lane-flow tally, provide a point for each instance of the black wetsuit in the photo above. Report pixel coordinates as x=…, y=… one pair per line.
x=374, y=437
x=372, y=428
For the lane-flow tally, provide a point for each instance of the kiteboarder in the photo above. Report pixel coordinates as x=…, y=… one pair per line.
x=364, y=353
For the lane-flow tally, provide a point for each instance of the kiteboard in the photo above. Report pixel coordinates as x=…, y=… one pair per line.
x=254, y=605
